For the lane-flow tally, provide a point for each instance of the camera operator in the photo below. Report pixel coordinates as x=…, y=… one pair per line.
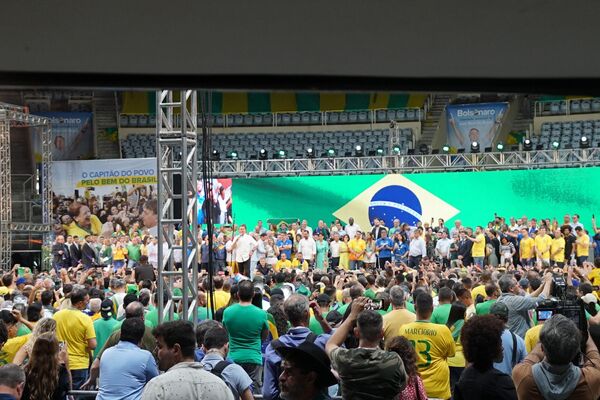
x=549, y=373
x=519, y=306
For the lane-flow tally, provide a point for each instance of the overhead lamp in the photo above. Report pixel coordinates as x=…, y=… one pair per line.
x=423, y=149
x=215, y=155
x=262, y=154
x=396, y=150
x=358, y=150
x=584, y=142
x=310, y=153
x=500, y=146
x=446, y=149
x=331, y=153
x=555, y=145
x=475, y=147
x=281, y=154
x=527, y=144
x=233, y=155
x=380, y=152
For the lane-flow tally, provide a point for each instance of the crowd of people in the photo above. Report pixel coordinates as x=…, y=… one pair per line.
x=399, y=312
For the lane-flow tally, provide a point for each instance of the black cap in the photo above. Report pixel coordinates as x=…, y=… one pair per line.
x=106, y=308
x=316, y=358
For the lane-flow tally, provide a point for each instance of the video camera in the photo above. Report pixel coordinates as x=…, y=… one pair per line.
x=565, y=304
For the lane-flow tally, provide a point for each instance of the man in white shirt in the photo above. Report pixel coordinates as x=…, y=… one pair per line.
x=456, y=229
x=416, y=249
x=351, y=228
x=304, y=226
x=243, y=245
x=308, y=247
x=576, y=222
x=334, y=248
x=442, y=249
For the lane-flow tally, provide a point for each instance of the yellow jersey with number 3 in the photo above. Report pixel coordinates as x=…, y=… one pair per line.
x=433, y=344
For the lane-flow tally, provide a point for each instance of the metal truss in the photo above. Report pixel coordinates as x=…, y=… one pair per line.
x=177, y=156
x=408, y=163
x=12, y=116
x=5, y=192
x=30, y=227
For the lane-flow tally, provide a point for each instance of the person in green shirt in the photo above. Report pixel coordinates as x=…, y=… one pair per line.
x=442, y=311
x=323, y=301
x=104, y=326
x=491, y=292
x=247, y=326
x=134, y=251
x=370, y=292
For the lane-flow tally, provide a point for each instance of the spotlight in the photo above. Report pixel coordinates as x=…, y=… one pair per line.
x=527, y=144
x=233, y=155
x=500, y=146
x=423, y=149
x=475, y=147
x=555, y=145
x=262, y=154
x=281, y=154
x=331, y=153
x=310, y=152
x=215, y=155
x=379, y=152
x=396, y=150
x=446, y=149
x=358, y=150
x=584, y=143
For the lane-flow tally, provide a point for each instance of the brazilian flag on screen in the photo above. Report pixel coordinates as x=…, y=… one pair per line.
x=472, y=197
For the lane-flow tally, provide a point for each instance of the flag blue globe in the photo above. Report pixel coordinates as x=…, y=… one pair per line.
x=393, y=202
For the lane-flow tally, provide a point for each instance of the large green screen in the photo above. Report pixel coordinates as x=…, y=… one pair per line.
x=473, y=197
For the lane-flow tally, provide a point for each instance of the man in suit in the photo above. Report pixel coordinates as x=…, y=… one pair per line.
x=378, y=227
x=74, y=250
x=464, y=249
x=60, y=253
x=88, y=252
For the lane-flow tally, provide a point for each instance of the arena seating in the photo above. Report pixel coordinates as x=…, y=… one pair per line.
x=568, y=133
x=561, y=107
x=248, y=145
x=287, y=119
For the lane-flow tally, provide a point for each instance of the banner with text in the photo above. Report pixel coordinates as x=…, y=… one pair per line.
x=103, y=197
x=72, y=136
x=110, y=196
x=472, y=197
x=469, y=123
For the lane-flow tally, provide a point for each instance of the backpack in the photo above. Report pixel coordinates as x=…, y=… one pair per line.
x=310, y=338
x=218, y=372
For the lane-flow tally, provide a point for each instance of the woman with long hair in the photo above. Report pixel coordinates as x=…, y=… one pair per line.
x=344, y=253
x=456, y=320
x=44, y=325
x=414, y=389
x=46, y=377
x=370, y=254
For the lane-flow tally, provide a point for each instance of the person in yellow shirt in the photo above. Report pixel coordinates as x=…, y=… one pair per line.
x=221, y=297
x=433, y=344
x=282, y=263
x=344, y=253
x=76, y=329
x=532, y=337
x=84, y=222
x=557, y=249
x=526, y=246
x=478, y=249
x=395, y=319
x=594, y=276
x=582, y=246
x=486, y=277
x=357, y=248
x=543, y=243
x=298, y=262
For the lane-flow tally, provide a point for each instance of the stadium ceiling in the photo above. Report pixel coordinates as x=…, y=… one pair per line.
x=426, y=45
